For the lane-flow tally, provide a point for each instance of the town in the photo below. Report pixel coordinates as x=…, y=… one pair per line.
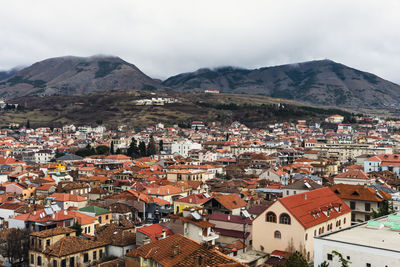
x=206, y=195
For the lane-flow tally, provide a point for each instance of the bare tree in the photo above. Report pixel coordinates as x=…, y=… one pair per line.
x=15, y=246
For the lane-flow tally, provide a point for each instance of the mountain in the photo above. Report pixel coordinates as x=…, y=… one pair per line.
x=76, y=75
x=322, y=82
x=7, y=74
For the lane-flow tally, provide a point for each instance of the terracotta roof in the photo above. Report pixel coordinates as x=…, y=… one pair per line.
x=67, y=197
x=154, y=231
x=232, y=201
x=53, y=232
x=307, y=207
x=359, y=192
x=194, y=199
x=70, y=245
x=353, y=174
x=187, y=251
x=385, y=157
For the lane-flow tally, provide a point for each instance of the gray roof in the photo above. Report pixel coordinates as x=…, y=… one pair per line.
x=302, y=185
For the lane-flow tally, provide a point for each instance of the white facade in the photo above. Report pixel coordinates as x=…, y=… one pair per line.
x=182, y=148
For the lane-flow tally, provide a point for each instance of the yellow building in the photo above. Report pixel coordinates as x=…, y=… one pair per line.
x=195, y=200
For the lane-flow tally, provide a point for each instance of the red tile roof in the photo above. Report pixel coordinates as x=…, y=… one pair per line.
x=154, y=231
x=353, y=174
x=307, y=207
x=67, y=197
x=194, y=199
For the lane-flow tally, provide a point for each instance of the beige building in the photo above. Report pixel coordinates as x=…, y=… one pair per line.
x=292, y=222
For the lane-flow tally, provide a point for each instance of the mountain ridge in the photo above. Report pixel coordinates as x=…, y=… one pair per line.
x=318, y=82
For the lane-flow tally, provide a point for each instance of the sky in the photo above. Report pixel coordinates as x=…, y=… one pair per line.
x=168, y=37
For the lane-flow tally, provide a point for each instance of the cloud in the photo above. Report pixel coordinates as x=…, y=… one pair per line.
x=164, y=38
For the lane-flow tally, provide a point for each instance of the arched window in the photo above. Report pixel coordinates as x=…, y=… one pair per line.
x=284, y=218
x=277, y=234
x=271, y=217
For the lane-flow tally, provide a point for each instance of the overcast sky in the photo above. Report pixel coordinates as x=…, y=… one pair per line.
x=167, y=37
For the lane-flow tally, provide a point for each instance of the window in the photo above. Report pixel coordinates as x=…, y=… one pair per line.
x=261, y=248
x=367, y=206
x=48, y=242
x=72, y=262
x=54, y=263
x=85, y=257
x=352, y=205
x=315, y=232
x=284, y=218
x=271, y=217
x=367, y=217
x=353, y=217
x=32, y=241
x=39, y=261
x=344, y=221
x=32, y=259
x=106, y=217
x=348, y=257
x=94, y=255
x=306, y=237
x=329, y=256
x=277, y=234
x=64, y=263
x=100, y=253
x=368, y=264
x=40, y=243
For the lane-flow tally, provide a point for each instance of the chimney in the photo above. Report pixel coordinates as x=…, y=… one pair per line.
x=305, y=196
x=164, y=233
x=175, y=249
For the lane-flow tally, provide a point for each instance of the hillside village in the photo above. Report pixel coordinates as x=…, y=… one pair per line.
x=206, y=195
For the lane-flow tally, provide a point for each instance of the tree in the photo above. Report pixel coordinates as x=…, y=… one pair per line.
x=112, y=147
x=15, y=246
x=343, y=261
x=142, y=149
x=323, y=264
x=296, y=260
x=385, y=209
x=133, y=150
x=102, y=150
x=85, y=152
x=78, y=228
x=151, y=148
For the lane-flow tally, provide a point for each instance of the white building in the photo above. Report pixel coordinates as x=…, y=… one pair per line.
x=44, y=156
x=369, y=244
x=182, y=147
x=383, y=162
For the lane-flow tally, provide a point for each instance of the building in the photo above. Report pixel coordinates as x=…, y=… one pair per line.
x=300, y=186
x=228, y=204
x=178, y=250
x=372, y=243
x=354, y=177
x=64, y=249
x=383, y=162
x=361, y=199
x=297, y=219
x=335, y=119
x=195, y=200
x=183, y=147
x=103, y=216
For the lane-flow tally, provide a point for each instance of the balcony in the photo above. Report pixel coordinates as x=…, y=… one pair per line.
x=211, y=237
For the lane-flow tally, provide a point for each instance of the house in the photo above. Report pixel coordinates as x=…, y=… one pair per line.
x=119, y=239
x=71, y=250
x=335, y=119
x=179, y=251
x=166, y=192
x=372, y=243
x=42, y=219
x=151, y=233
x=232, y=228
x=64, y=200
x=191, y=224
x=295, y=220
x=228, y=204
x=300, y=186
x=383, y=162
x=123, y=211
x=275, y=175
x=354, y=177
x=103, y=216
x=195, y=200
x=361, y=199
